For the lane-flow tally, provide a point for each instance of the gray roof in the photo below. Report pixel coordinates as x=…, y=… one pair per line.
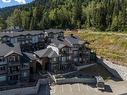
x=33, y=32
x=60, y=43
x=54, y=30
x=48, y=52
x=12, y=34
x=6, y=50
x=30, y=56
x=74, y=40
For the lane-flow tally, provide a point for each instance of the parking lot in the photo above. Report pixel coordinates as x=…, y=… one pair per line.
x=84, y=89
x=74, y=89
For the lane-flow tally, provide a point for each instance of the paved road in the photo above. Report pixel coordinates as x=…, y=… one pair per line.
x=112, y=88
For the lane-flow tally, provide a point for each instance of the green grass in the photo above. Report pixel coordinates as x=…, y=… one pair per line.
x=110, y=45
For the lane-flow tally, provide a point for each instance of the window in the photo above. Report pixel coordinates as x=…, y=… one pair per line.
x=76, y=46
x=75, y=52
x=54, y=59
x=12, y=40
x=25, y=73
x=14, y=69
x=63, y=58
x=80, y=59
x=23, y=42
x=2, y=78
x=1, y=59
x=15, y=77
x=11, y=58
x=75, y=59
x=2, y=68
x=69, y=57
x=25, y=65
x=27, y=41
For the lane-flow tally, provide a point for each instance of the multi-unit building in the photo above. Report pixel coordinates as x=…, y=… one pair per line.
x=14, y=66
x=25, y=53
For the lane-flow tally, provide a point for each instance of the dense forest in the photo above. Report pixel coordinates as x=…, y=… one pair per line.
x=103, y=15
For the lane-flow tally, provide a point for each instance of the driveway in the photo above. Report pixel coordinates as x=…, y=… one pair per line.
x=112, y=88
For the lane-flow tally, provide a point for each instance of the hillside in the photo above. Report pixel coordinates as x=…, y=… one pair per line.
x=104, y=15
x=112, y=46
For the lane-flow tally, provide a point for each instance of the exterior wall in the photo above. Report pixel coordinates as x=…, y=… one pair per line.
x=69, y=57
x=81, y=54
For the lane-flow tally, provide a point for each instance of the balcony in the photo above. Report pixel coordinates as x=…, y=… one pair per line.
x=13, y=73
x=13, y=63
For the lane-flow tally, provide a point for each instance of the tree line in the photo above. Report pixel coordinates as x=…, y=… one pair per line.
x=103, y=15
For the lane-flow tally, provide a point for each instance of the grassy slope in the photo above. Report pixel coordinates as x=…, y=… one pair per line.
x=112, y=46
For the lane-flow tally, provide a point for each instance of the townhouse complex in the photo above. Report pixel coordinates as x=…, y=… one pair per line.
x=26, y=53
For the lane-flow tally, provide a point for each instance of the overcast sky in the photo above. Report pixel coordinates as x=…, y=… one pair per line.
x=5, y=3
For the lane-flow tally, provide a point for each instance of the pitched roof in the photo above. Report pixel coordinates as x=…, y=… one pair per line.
x=12, y=33
x=48, y=52
x=54, y=30
x=60, y=43
x=30, y=55
x=74, y=40
x=6, y=50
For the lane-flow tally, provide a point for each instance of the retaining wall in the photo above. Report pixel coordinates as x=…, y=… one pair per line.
x=117, y=70
x=25, y=91
x=76, y=80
